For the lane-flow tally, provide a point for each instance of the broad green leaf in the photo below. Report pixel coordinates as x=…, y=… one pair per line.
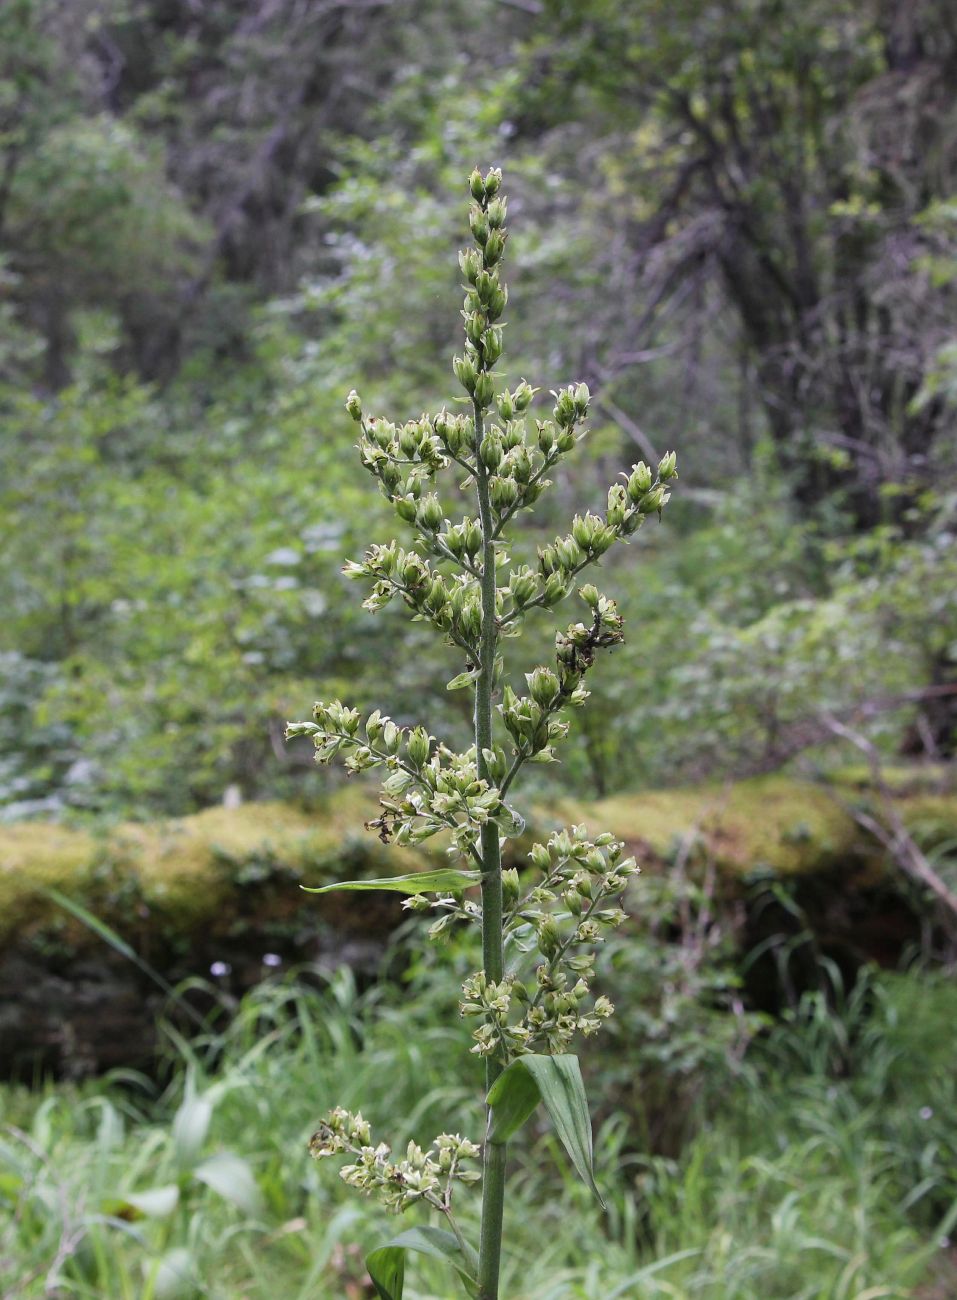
x=419, y=882
x=442, y=1245
x=513, y=1097
x=156, y=1203
x=558, y=1081
x=190, y=1126
x=175, y=1275
x=387, y=1264
x=232, y=1178
x=386, y=1267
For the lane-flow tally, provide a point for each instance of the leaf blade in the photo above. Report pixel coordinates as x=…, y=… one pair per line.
x=441, y=1245
x=386, y=1264
x=442, y=880
x=231, y=1177
x=559, y=1083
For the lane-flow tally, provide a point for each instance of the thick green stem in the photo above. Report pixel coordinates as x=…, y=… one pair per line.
x=493, y=961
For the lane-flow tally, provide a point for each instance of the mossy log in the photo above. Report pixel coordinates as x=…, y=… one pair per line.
x=222, y=887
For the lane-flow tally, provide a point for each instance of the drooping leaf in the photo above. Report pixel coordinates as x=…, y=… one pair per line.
x=155, y=1203
x=387, y=1264
x=190, y=1126
x=442, y=1245
x=175, y=1275
x=559, y=1084
x=232, y=1178
x=444, y=879
x=119, y=944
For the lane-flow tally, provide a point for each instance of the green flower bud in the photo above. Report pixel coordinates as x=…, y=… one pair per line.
x=574, y=902
x=510, y=886
x=494, y=247
x=548, y=559
x=617, y=505
x=589, y=594
x=668, y=466
x=470, y=262
x=484, y=390
x=429, y=514
x=546, y=436
x=474, y=326
x=497, y=211
x=391, y=735
x=505, y=405
x=466, y=372
x=486, y=283
x=540, y=856
x=543, y=686
x=413, y=571
x=438, y=597
x=497, y=299
x=582, y=398
x=491, y=450
x=549, y=938
x=503, y=492
x=555, y=590
x=354, y=405
x=418, y=746
x=569, y=553
x=583, y=530
x=449, y=429
x=477, y=186
x=564, y=410
x=640, y=481
x=406, y=508
x=478, y=223
x=565, y=440
x=492, y=345
x=602, y=539
x=522, y=587
x=653, y=500
x=493, y=181
x=471, y=620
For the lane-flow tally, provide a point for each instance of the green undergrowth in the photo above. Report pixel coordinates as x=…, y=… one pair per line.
x=822, y=1167
x=192, y=870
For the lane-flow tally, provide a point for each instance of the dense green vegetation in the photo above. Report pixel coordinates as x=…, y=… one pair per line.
x=743, y=218
x=829, y=1170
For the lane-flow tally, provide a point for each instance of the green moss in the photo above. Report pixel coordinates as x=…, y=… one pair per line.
x=222, y=864
x=190, y=869
x=36, y=856
x=789, y=826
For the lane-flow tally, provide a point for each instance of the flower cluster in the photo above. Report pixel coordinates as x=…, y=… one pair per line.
x=430, y=788
x=570, y=908
x=539, y=931
x=421, y=1176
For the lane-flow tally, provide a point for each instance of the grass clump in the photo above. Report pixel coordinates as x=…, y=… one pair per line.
x=829, y=1168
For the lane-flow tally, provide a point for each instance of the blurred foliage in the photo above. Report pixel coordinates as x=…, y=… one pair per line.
x=745, y=217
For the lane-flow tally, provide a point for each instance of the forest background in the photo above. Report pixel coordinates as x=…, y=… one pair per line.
x=736, y=221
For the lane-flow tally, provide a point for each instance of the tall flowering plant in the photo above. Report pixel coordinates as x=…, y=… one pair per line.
x=533, y=995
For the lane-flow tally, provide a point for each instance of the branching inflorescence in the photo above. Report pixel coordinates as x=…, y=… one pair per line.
x=540, y=929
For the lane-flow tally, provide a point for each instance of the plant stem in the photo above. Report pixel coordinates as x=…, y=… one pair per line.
x=493, y=961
